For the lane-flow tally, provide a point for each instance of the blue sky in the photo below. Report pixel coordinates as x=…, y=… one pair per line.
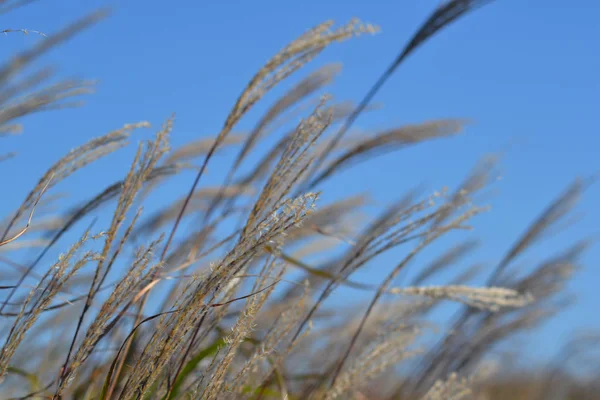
x=525, y=73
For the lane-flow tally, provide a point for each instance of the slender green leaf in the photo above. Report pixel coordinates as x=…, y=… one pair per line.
x=192, y=364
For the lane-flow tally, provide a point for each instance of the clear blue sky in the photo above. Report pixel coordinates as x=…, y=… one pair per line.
x=526, y=73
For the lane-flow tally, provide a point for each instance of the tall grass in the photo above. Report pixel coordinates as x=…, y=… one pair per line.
x=198, y=299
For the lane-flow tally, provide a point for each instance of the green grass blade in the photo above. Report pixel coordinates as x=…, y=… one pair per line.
x=192, y=364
